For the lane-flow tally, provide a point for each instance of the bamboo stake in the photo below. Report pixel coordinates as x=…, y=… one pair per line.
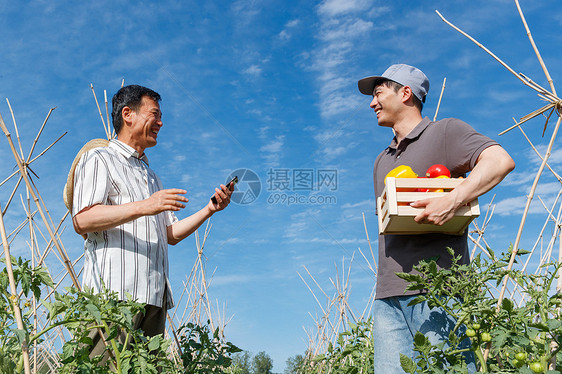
x=530, y=36
x=440, y=97
x=12, y=195
x=49, y=147
x=107, y=113
x=36, y=200
x=107, y=133
x=14, y=298
x=39, y=134
x=33, y=299
x=15, y=126
x=527, y=205
x=369, y=241
x=526, y=118
x=556, y=175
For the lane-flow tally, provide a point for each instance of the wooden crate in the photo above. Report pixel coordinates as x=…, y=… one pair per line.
x=397, y=217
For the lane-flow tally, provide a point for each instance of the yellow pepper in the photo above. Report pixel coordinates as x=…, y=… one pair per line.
x=402, y=171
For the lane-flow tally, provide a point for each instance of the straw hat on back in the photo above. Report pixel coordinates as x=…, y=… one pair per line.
x=68, y=193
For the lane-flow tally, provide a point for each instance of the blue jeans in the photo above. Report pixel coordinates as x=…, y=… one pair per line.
x=394, y=326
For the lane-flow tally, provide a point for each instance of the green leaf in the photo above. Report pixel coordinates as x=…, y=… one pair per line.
x=154, y=343
x=507, y=305
x=94, y=312
x=433, y=268
x=553, y=324
x=407, y=364
x=21, y=335
x=319, y=358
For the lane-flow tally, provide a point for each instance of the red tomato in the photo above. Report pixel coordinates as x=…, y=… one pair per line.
x=437, y=170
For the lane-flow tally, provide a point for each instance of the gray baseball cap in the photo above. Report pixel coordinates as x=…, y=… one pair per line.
x=406, y=75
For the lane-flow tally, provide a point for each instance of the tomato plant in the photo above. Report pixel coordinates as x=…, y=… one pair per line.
x=502, y=339
x=79, y=312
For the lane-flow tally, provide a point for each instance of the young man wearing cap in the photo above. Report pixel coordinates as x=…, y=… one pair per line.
x=398, y=97
x=127, y=217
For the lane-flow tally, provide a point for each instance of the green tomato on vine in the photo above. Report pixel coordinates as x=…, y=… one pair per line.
x=485, y=337
x=521, y=356
x=537, y=367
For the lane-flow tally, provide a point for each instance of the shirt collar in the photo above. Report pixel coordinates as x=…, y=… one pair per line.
x=126, y=150
x=416, y=132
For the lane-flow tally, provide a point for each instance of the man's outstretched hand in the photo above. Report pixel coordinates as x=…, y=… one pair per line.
x=163, y=200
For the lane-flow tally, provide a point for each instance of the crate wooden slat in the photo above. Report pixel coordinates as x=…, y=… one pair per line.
x=396, y=216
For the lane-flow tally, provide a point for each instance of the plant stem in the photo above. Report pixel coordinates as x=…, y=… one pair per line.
x=14, y=295
x=125, y=346
x=115, y=349
x=480, y=356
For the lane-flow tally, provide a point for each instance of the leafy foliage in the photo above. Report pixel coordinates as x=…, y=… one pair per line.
x=353, y=353
x=246, y=363
x=203, y=352
x=82, y=314
x=11, y=338
x=293, y=364
x=520, y=338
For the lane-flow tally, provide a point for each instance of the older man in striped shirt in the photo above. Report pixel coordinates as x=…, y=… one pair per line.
x=127, y=217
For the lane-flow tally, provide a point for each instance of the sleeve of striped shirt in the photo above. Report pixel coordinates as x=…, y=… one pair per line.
x=90, y=182
x=170, y=218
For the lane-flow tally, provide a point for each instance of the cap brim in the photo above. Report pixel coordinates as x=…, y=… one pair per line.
x=367, y=85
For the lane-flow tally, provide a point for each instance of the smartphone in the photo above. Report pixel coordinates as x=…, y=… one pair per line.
x=229, y=185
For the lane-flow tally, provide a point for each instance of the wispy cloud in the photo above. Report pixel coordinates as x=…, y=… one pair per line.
x=232, y=279
x=287, y=32
x=254, y=70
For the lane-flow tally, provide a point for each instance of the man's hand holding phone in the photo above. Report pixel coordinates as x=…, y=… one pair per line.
x=221, y=198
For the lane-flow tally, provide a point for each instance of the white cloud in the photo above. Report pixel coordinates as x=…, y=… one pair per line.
x=333, y=8
x=228, y=280
x=253, y=70
x=272, y=150
x=510, y=206
x=286, y=33
x=365, y=203
x=274, y=146
x=348, y=29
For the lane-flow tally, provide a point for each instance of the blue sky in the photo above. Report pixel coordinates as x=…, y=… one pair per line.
x=272, y=86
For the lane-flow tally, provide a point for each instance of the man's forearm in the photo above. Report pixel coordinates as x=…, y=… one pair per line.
x=103, y=217
x=182, y=229
x=493, y=164
x=491, y=168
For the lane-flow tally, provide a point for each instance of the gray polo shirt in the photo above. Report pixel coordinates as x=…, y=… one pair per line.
x=450, y=142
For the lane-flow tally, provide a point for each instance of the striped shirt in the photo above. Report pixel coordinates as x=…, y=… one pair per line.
x=131, y=258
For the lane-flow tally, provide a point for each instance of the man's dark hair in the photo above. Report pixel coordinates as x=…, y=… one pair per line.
x=130, y=96
x=397, y=86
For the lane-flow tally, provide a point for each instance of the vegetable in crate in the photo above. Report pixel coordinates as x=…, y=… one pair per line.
x=437, y=170
x=402, y=171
